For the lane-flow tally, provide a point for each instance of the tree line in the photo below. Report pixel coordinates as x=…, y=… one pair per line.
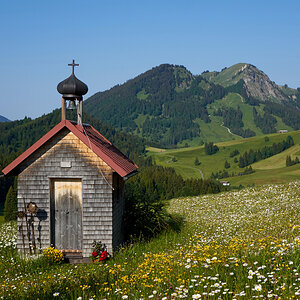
x=289, y=113
x=210, y=148
x=265, y=122
x=252, y=156
x=290, y=162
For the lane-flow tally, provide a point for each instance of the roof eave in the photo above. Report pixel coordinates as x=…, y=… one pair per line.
x=130, y=175
x=7, y=171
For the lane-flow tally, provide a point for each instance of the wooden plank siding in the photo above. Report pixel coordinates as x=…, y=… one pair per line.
x=99, y=222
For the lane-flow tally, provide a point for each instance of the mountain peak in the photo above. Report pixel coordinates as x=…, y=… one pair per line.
x=3, y=119
x=182, y=75
x=256, y=83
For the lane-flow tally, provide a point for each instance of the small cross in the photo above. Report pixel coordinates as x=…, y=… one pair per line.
x=73, y=65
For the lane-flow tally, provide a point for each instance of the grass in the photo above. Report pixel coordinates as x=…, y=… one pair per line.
x=140, y=119
x=185, y=158
x=235, y=245
x=142, y=95
x=154, y=149
x=214, y=131
x=260, y=177
x=227, y=77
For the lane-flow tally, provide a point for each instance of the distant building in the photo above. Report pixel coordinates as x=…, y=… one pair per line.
x=282, y=131
x=225, y=183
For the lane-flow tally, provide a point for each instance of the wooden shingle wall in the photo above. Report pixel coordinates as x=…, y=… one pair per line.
x=52, y=161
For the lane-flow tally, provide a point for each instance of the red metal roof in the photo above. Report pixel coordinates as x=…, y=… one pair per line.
x=102, y=147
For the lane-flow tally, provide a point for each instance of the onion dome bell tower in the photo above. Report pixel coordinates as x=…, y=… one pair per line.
x=72, y=89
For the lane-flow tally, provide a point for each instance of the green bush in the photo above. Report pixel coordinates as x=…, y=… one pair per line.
x=197, y=162
x=144, y=219
x=144, y=212
x=227, y=165
x=11, y=205
x=210, y=148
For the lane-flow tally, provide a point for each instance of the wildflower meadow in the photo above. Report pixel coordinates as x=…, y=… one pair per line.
x=235, y=245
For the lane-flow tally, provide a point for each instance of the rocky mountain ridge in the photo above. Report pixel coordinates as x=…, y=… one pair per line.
x=256, y=83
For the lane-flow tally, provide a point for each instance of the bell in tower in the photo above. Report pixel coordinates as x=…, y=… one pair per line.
x=72, y=90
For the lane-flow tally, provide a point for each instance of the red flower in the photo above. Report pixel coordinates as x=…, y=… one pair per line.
x=94, y=254
x=103, y=256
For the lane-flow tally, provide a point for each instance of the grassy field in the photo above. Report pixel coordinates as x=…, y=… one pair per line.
x=214, y=131
x=267, y=171
x=261, y=177
x=235, y=245
x=277, y=161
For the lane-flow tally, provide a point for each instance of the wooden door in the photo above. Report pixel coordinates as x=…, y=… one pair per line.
x=66, y=214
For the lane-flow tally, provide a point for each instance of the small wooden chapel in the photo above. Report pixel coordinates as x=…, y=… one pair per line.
x=75, y=177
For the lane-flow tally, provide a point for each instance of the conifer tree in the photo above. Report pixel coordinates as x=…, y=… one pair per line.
x=227, y=165
x=10, y=206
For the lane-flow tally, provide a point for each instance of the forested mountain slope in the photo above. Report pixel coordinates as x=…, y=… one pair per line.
x=170, y=106
x=160, y=104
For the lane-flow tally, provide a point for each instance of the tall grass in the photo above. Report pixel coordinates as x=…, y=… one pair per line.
x=235, y=245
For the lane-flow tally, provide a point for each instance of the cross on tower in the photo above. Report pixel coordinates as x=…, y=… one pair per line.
x=73, y=65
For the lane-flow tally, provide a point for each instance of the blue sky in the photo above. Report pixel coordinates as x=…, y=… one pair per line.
x=114, y=41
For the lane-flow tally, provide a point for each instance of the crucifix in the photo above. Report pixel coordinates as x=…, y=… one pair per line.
x=73, y=65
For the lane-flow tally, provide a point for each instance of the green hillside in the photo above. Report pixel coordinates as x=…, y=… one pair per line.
x=272, y=169
x=260, y=177
x=235, y=100
x=216, y=131
x=277, y=161
x=227, y=77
